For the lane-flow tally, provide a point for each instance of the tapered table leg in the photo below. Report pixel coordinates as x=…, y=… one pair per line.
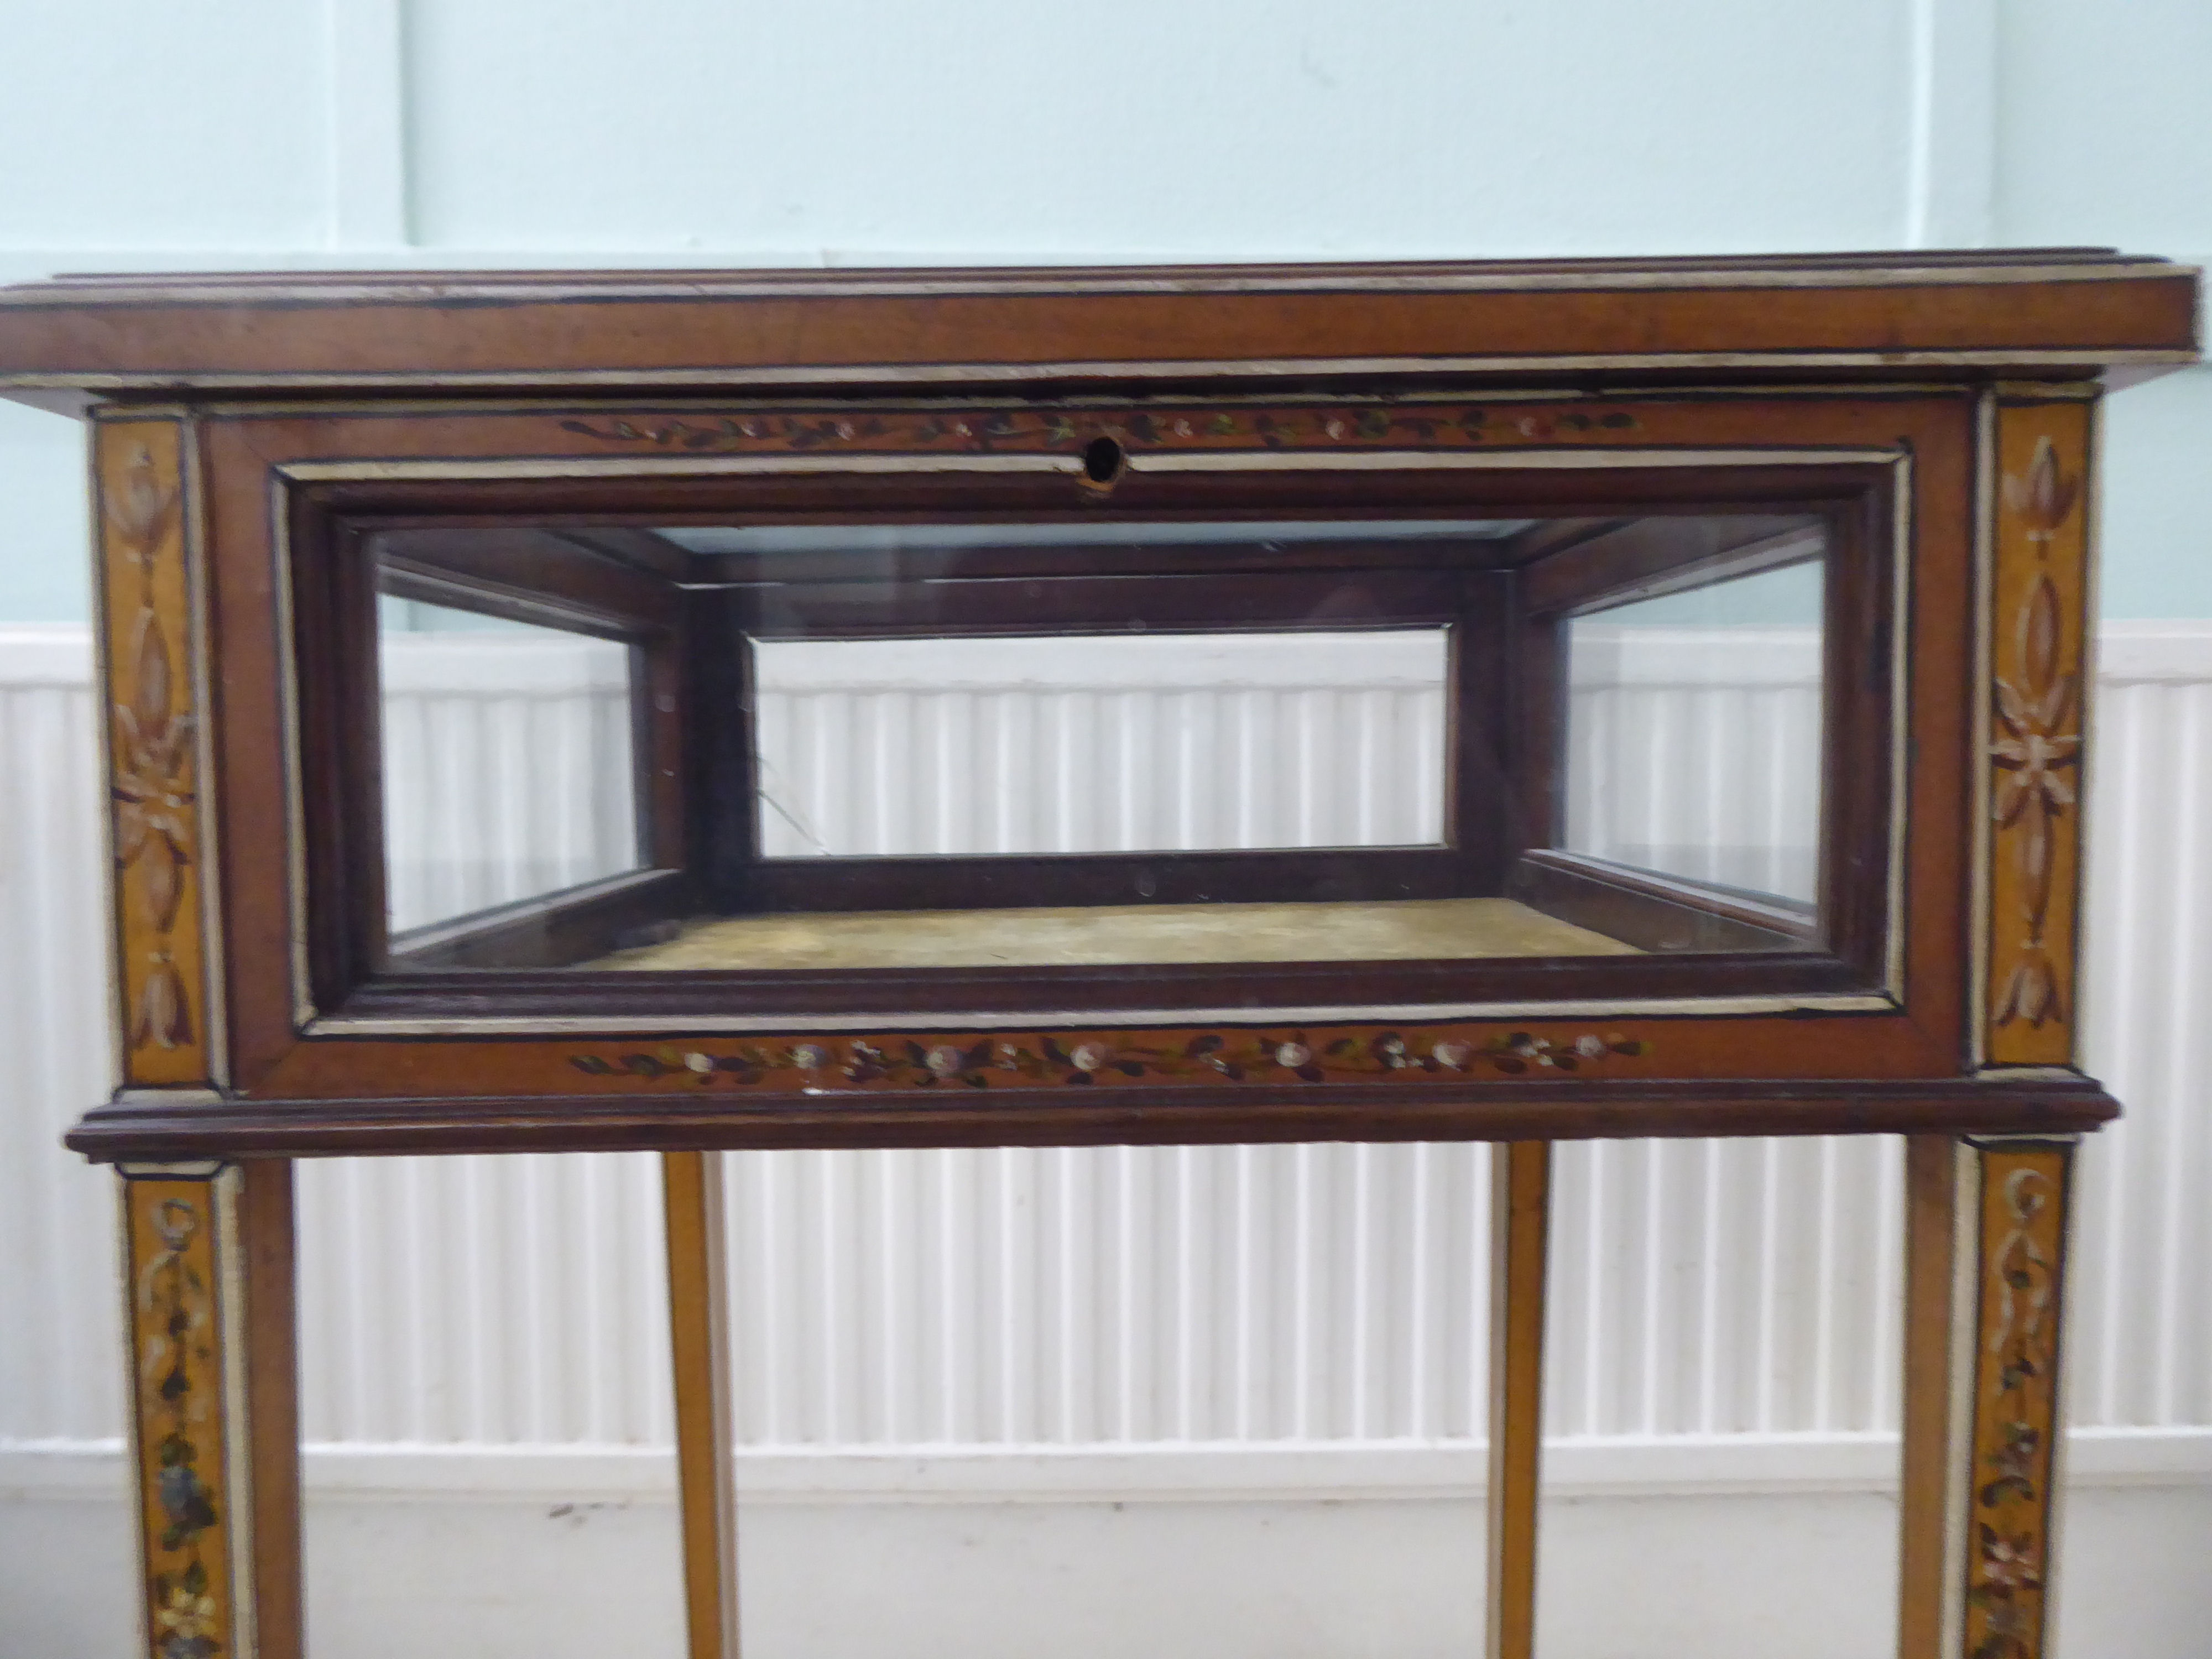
x=698, y=1298
x=214, y=1418
x=1985, y=1274
x=1521, y=1199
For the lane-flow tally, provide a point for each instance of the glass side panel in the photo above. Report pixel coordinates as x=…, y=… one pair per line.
x=507, y=765
x=1694, y=733
x=1099, y=742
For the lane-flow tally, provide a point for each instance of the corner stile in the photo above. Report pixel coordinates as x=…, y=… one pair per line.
x=2038, y=622
x=208, y=1264
x=153, y=657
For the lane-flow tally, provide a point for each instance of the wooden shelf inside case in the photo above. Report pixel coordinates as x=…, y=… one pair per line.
x=1104, y=935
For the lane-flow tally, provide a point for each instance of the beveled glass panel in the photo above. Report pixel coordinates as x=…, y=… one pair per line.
x=509, y=772
x=1694, y=733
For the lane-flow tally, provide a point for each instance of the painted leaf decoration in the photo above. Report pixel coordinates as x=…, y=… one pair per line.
x=161, y=1016
x=2029, y=994
x=2035, y=858
x=149, y=695
x=2056, y=705
x=2038, y=638
x=141, y=509
x=2050, y=492
x=2045, y=497
x=161, y=864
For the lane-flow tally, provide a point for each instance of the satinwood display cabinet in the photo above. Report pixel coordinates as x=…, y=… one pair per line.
x=1191, y=900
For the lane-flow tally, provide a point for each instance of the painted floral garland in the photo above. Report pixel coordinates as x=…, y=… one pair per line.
x=1012, y=1062
x=985, y=430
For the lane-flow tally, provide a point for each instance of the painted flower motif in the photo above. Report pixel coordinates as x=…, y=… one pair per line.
x=944, y=1061
x=2014, y=1462
x=185, y=1618
x=1589, y=1046
x=695, y=1061
x=1087, y=1056
x=2009, y=1561
x=1390, y=1049
x=185, y=1499
x=1452, y=1056
x=1292, y=1055
x=809, y=1056
x=187, y=1615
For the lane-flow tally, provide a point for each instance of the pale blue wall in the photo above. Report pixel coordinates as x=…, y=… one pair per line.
x=379, y=132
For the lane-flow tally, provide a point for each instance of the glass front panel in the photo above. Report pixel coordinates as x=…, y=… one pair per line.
x=507, y=765
x=1006, y=745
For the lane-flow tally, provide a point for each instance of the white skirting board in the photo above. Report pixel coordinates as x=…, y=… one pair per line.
x=556, y=1575
x=1225, y=1472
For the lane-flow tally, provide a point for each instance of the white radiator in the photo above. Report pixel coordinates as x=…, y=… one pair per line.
x=1130, y=743
x=1128, y=1299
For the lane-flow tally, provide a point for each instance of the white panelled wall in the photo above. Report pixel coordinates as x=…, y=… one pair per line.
x=1234, y=1299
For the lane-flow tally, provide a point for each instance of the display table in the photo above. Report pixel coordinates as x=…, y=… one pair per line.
x=691, y=711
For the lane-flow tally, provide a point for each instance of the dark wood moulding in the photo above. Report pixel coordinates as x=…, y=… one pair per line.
x=2021, y=311
x=1170, y=1115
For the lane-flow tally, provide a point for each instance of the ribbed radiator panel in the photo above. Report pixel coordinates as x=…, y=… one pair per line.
x=1088, y=745
x=1315, y=1294
x=2142, y=1349
x=60, y=1304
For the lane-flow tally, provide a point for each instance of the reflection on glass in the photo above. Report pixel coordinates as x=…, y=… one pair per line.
x=1694, y=733
x=507, y=760
x=1099, y=742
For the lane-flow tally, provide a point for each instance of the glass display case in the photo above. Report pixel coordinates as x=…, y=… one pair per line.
x=1107, y=744
x=1516, y=703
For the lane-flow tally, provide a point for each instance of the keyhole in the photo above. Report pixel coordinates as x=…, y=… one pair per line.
x=1103, y=460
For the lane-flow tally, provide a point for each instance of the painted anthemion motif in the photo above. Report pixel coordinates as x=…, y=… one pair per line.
x=2022, y=1233
x=178, y=1401
x=2036, y=739
x=153, y=747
